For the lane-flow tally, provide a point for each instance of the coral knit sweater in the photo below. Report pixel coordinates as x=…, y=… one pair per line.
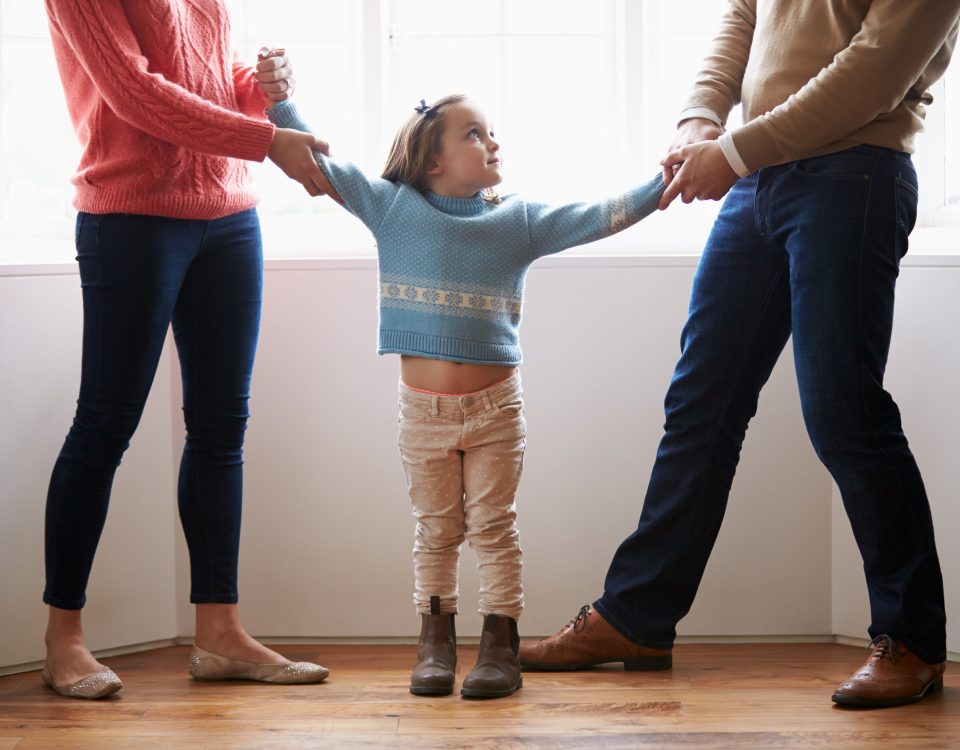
x=162, y=108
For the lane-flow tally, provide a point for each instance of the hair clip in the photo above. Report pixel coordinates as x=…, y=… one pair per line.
x=423, y=108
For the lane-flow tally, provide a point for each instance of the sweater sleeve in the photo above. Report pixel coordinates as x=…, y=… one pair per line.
x=367, y=198
x=249, y=98
x=556, y=228
x=718, y=84
x=105, y=47
x=896, y=42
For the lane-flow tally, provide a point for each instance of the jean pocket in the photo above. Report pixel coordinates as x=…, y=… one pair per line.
x=844, y=165
x=511, y=406
x=87, y=238
x=413, y=413
x=78, y=227
x=906, y=198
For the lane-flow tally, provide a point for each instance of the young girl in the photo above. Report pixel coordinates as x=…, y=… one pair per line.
x=452, y=259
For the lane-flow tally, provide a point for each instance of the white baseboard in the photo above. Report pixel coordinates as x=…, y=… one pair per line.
x=134, y=648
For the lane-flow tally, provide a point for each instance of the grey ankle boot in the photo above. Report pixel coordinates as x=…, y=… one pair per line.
x=497, y=672
x=436, y=653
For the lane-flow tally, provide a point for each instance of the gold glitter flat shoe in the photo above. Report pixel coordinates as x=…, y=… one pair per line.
x=207, y=666
x=93, y=686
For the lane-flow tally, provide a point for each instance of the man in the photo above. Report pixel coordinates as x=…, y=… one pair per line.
x=822, y=197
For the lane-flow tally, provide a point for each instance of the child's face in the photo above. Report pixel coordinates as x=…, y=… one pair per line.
x=469, y=158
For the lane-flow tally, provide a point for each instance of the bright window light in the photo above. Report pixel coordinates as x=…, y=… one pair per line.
x=584, y=98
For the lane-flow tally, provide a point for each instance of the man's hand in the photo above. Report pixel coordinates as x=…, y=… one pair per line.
x=699, y=171
x=274, y=75
x=292, y=151
x=691, y=130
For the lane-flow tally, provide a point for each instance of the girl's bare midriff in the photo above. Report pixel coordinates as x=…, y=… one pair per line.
x=442, y=376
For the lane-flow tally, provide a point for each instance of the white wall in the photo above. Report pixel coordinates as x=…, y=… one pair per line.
x=328, y=523
x=132, y=586
x=327, y=527
x=922, y=376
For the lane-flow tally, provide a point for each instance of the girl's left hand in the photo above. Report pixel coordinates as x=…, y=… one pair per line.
x=275, y=74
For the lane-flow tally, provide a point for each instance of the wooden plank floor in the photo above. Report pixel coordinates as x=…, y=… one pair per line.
x=716, y=697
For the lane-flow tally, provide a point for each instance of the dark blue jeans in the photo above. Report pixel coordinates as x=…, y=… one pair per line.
x=809, y=249
x=138, y=274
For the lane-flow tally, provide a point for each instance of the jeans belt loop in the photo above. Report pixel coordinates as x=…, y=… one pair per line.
x=488, y=402
x=434, y=406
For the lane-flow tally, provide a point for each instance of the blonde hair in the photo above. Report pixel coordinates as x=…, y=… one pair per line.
x=417, y=144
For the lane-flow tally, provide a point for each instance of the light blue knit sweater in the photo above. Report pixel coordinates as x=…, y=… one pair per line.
x=452, y=269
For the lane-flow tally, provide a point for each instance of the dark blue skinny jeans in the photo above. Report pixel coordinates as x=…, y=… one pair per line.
x=809, y=249
x=139, y=274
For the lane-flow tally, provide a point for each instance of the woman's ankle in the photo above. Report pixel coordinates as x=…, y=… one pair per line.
x=64, y=629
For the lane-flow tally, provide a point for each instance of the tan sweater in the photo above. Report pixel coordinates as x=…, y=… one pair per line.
x=819, y=76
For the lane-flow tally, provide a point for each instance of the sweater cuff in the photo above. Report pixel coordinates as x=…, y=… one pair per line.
x=705, y=112
x=253, y=140
x=756, y=147
x=733, y=156
x=706, y=98
x=284, y=115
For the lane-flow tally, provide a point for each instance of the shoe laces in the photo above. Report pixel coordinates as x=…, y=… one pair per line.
x=580, y=621
x=885, y=648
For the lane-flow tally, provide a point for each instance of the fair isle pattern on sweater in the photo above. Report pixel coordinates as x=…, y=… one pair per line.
x=452, y=270
x=434, y=296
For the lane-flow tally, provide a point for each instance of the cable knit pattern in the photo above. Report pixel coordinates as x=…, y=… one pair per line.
x=163, y=110
x=452, y=269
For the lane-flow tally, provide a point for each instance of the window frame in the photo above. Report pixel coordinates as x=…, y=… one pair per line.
x=632, y=26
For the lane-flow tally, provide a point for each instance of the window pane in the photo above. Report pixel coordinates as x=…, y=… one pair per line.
x=558, y=134
x=275, y=22
x=38, y=149
x=23, y=18
x=951, y=101
x=446, y=17
x=417, y=76
x=555, y=16
x=697, y=17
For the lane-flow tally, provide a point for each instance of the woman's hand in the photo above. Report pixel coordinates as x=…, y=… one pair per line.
x=292, y=151
x=275, y=74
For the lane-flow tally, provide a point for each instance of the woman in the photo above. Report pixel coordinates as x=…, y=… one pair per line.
x=166, y=232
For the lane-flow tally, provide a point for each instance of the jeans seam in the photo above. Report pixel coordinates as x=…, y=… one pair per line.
x=861, y=385
x=196, y=420
x=98, y=365
x=860, y=366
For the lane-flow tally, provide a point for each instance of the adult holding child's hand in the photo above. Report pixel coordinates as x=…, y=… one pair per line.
x=695, y=167
x=291, y=150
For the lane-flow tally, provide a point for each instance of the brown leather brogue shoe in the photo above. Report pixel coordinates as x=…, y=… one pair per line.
x=587, y=641
x=891, y=676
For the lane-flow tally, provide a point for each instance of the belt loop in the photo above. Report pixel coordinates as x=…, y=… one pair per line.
x=434, y=406
x=488, y=402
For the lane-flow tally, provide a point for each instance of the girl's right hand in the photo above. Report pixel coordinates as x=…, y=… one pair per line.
x=292, y=151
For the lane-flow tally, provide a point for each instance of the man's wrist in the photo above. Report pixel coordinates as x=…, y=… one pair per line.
x=733, y=157
x=704, y=113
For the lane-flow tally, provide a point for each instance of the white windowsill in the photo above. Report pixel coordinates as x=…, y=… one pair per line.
x=339, y=240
